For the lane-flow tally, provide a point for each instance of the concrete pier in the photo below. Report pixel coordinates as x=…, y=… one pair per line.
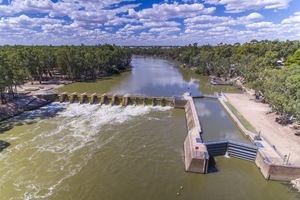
x=114, y=100
x=83, y=98
x=63, y=97
x=94, y=99
x=103, y=99
x=73, y=97
x=126, y=98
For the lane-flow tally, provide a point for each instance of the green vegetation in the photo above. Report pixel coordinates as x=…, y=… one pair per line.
x=241, y=118
x=19, y=64
x=258, y=64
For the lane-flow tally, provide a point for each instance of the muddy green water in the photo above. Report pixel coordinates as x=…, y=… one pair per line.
x=72, y=151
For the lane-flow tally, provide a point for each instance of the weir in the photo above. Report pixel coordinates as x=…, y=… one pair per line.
x=115, y=99
x=196, y=151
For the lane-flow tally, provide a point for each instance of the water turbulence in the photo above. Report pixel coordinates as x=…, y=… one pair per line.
x=50, y=151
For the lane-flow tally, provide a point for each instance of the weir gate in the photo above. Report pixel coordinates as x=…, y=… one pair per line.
x=232, y=148
x=115, y=99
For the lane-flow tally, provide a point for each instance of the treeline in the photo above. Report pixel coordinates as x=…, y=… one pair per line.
x=41, y=63
x=271, y=67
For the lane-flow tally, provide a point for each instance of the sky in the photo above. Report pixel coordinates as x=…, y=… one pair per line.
x=146, y=22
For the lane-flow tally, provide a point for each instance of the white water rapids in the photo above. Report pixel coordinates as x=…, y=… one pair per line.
x=50, y=151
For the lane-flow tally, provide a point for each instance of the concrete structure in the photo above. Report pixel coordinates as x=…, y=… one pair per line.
x=232, y=148
x=197, y=152
x=271, y=164
x=118, y=99
x=196, y=155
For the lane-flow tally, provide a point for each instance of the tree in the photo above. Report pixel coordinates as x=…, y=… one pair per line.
x=294, y=59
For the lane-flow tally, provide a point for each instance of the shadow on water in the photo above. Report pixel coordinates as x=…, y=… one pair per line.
x=212, y=165
x=3, y=145
x=31, y=117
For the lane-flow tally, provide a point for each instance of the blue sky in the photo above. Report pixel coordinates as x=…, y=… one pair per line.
x=138, y=22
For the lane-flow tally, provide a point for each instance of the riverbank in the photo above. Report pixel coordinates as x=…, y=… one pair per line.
x=282, y=139
x=26, y=98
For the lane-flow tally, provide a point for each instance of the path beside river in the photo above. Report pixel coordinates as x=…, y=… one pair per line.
x=282, y=137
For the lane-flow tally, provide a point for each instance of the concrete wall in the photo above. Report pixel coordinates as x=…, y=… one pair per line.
x=190, y=121
x=191, y=115
x=247, y=133
x=179, y=103
x=284, y=172
x=275, y=171
x=262, y=164
x=48, y=97
x=196, y=156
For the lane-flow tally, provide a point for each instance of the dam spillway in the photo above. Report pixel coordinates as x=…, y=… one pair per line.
x=115, y=99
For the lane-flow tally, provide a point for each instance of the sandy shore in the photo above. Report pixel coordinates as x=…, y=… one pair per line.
x=282, y=137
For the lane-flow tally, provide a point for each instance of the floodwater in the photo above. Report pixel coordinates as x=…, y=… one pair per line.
x=73, y=151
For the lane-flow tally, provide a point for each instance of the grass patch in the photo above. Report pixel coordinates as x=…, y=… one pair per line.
x=241, y=118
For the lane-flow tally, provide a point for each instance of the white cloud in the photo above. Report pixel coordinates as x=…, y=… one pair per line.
x=292, y=19
x=214, y=2
x=24, y=21
x=219, y=29
x=236, y=6
x=208, y=21
x=163, y=24
x=260, y=25
x=130, y=27
x=63, y=8
x=32, y=6
x=252, y=17
x=202, y=19
x=171, y=11
x=165, y=30
x=92, y=16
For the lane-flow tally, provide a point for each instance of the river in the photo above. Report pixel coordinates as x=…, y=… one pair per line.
x=73, y=151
